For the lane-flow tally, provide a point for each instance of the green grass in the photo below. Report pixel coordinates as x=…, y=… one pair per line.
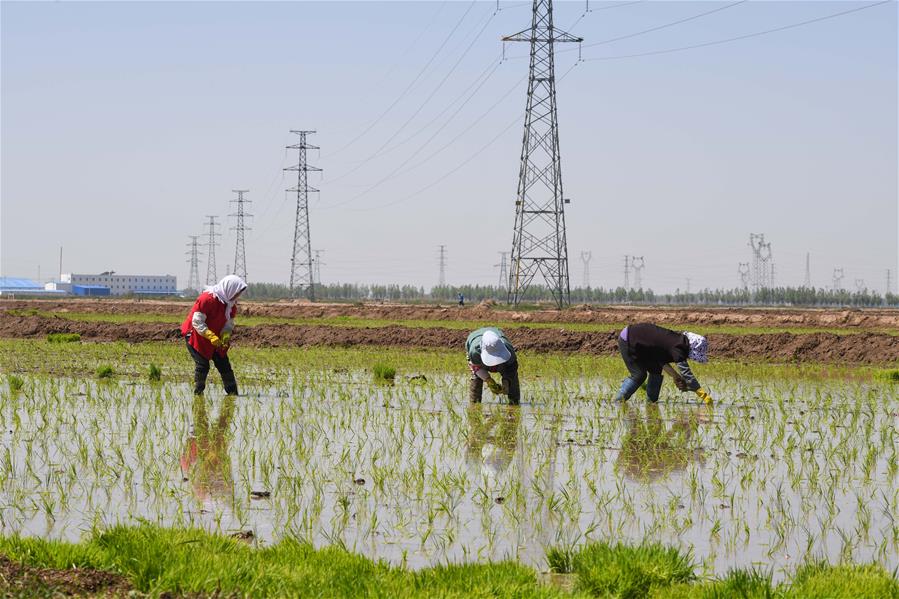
x=15, y=383
x=252, y=363
x=105, y=371
x=63, y=337
x=629, y=572
x=189, y=561
x=384, y=372
x=154, y=373
x=467, y=325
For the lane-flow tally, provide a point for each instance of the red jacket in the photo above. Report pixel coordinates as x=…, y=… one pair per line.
x=216, y=318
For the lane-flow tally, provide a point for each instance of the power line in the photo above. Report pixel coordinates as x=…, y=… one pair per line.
x=409, y=87
x=741, y=37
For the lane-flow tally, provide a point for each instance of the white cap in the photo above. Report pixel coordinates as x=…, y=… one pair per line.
x=493, y=350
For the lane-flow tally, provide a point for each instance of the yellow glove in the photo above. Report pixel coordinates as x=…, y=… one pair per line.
x=213, y=338
x=495, y=387
x=704, y=396
x=226, y=338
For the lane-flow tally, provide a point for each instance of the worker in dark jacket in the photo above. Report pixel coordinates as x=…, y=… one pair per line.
x=488, y=351
x=647, y=349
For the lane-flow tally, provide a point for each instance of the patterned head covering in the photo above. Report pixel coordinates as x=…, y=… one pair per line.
x=699, y=347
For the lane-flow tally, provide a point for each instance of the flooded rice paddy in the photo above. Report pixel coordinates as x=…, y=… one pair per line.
x=778, y=471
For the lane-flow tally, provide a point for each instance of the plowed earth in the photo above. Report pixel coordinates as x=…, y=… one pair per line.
x=488, y=311
x=861, y=348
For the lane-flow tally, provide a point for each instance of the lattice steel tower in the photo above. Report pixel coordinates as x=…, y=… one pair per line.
x=441, y=257
x=638, y=264
x=211, y=276
x=301, y=273
x=539, y=244
x=193, y=279
x=585, y=258
x=240, y=250
x=504, y=269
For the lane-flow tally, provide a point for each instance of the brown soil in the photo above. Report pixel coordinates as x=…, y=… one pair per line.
x=861, y=348
x=869, y=318
x=19, y=580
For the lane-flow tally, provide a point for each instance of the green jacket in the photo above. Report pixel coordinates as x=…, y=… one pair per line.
x=473, y=348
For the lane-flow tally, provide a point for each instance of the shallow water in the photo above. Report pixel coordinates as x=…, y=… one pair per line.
x=776, y=472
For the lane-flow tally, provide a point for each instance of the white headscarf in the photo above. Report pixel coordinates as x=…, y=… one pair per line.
x=699, y=347
x=226, y=289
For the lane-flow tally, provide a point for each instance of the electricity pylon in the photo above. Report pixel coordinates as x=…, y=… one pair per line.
x=301, y=273
x=211, y=275
x=585, y=258
x=637, y=263
x=743, y=270
x=539, y=243
x=503, y=269
x=193, y=279
x=441, y=278
x=240, y=250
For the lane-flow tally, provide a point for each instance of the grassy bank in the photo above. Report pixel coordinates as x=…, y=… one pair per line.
x=156, y=561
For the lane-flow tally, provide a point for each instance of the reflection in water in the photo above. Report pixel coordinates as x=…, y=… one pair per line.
x=650, y=451
x=205, y=461
x=492, y=438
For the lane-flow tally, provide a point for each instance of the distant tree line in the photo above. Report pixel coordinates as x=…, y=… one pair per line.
x=777, y=296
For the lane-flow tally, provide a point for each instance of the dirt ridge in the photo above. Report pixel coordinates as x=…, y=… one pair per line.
x=854, y=318
x=861, y=348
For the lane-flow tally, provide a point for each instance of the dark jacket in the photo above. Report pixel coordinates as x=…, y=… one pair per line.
x=652, y=346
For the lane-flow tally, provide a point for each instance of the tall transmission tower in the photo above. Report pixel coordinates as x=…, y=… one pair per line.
x=240, y=250
x=808, y=272
x=637, y=264
x=860, y=285
x=889, y=288
x=743, y=271
x=317, y=261
x=585, y=258
x=539, y=242
x=837, y=279
x=762, y=262
x=193, y=279
x=503, y=269
x=627, y=273
x=211, y=275
x=441, y=279
x=301, y=273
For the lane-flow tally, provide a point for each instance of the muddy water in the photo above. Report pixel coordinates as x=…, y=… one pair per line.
x=412, y=473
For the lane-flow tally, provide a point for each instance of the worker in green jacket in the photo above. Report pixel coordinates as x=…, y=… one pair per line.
x=488, y=351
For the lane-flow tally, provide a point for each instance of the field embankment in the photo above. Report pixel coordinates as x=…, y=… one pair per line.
x=850, y=336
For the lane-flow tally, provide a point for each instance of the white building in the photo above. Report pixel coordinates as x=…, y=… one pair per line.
x=126, y=284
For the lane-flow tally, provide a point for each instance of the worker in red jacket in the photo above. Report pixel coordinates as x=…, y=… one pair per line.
x=207, y=330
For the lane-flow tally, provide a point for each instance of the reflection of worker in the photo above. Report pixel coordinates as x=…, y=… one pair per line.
x=205, y=461
x=647, y=348
x=650, y=451
x=207, y=330
x=489, y=351
x=492, y=437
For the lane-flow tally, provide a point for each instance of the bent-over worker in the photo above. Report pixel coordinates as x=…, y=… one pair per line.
x=488, y=351
x=207, y=331
x=647, y=349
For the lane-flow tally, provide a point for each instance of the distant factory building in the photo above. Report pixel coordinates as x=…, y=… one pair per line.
x=119, y=284
x=23, y=287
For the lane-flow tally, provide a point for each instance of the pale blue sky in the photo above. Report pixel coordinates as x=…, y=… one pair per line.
x=124, y=124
